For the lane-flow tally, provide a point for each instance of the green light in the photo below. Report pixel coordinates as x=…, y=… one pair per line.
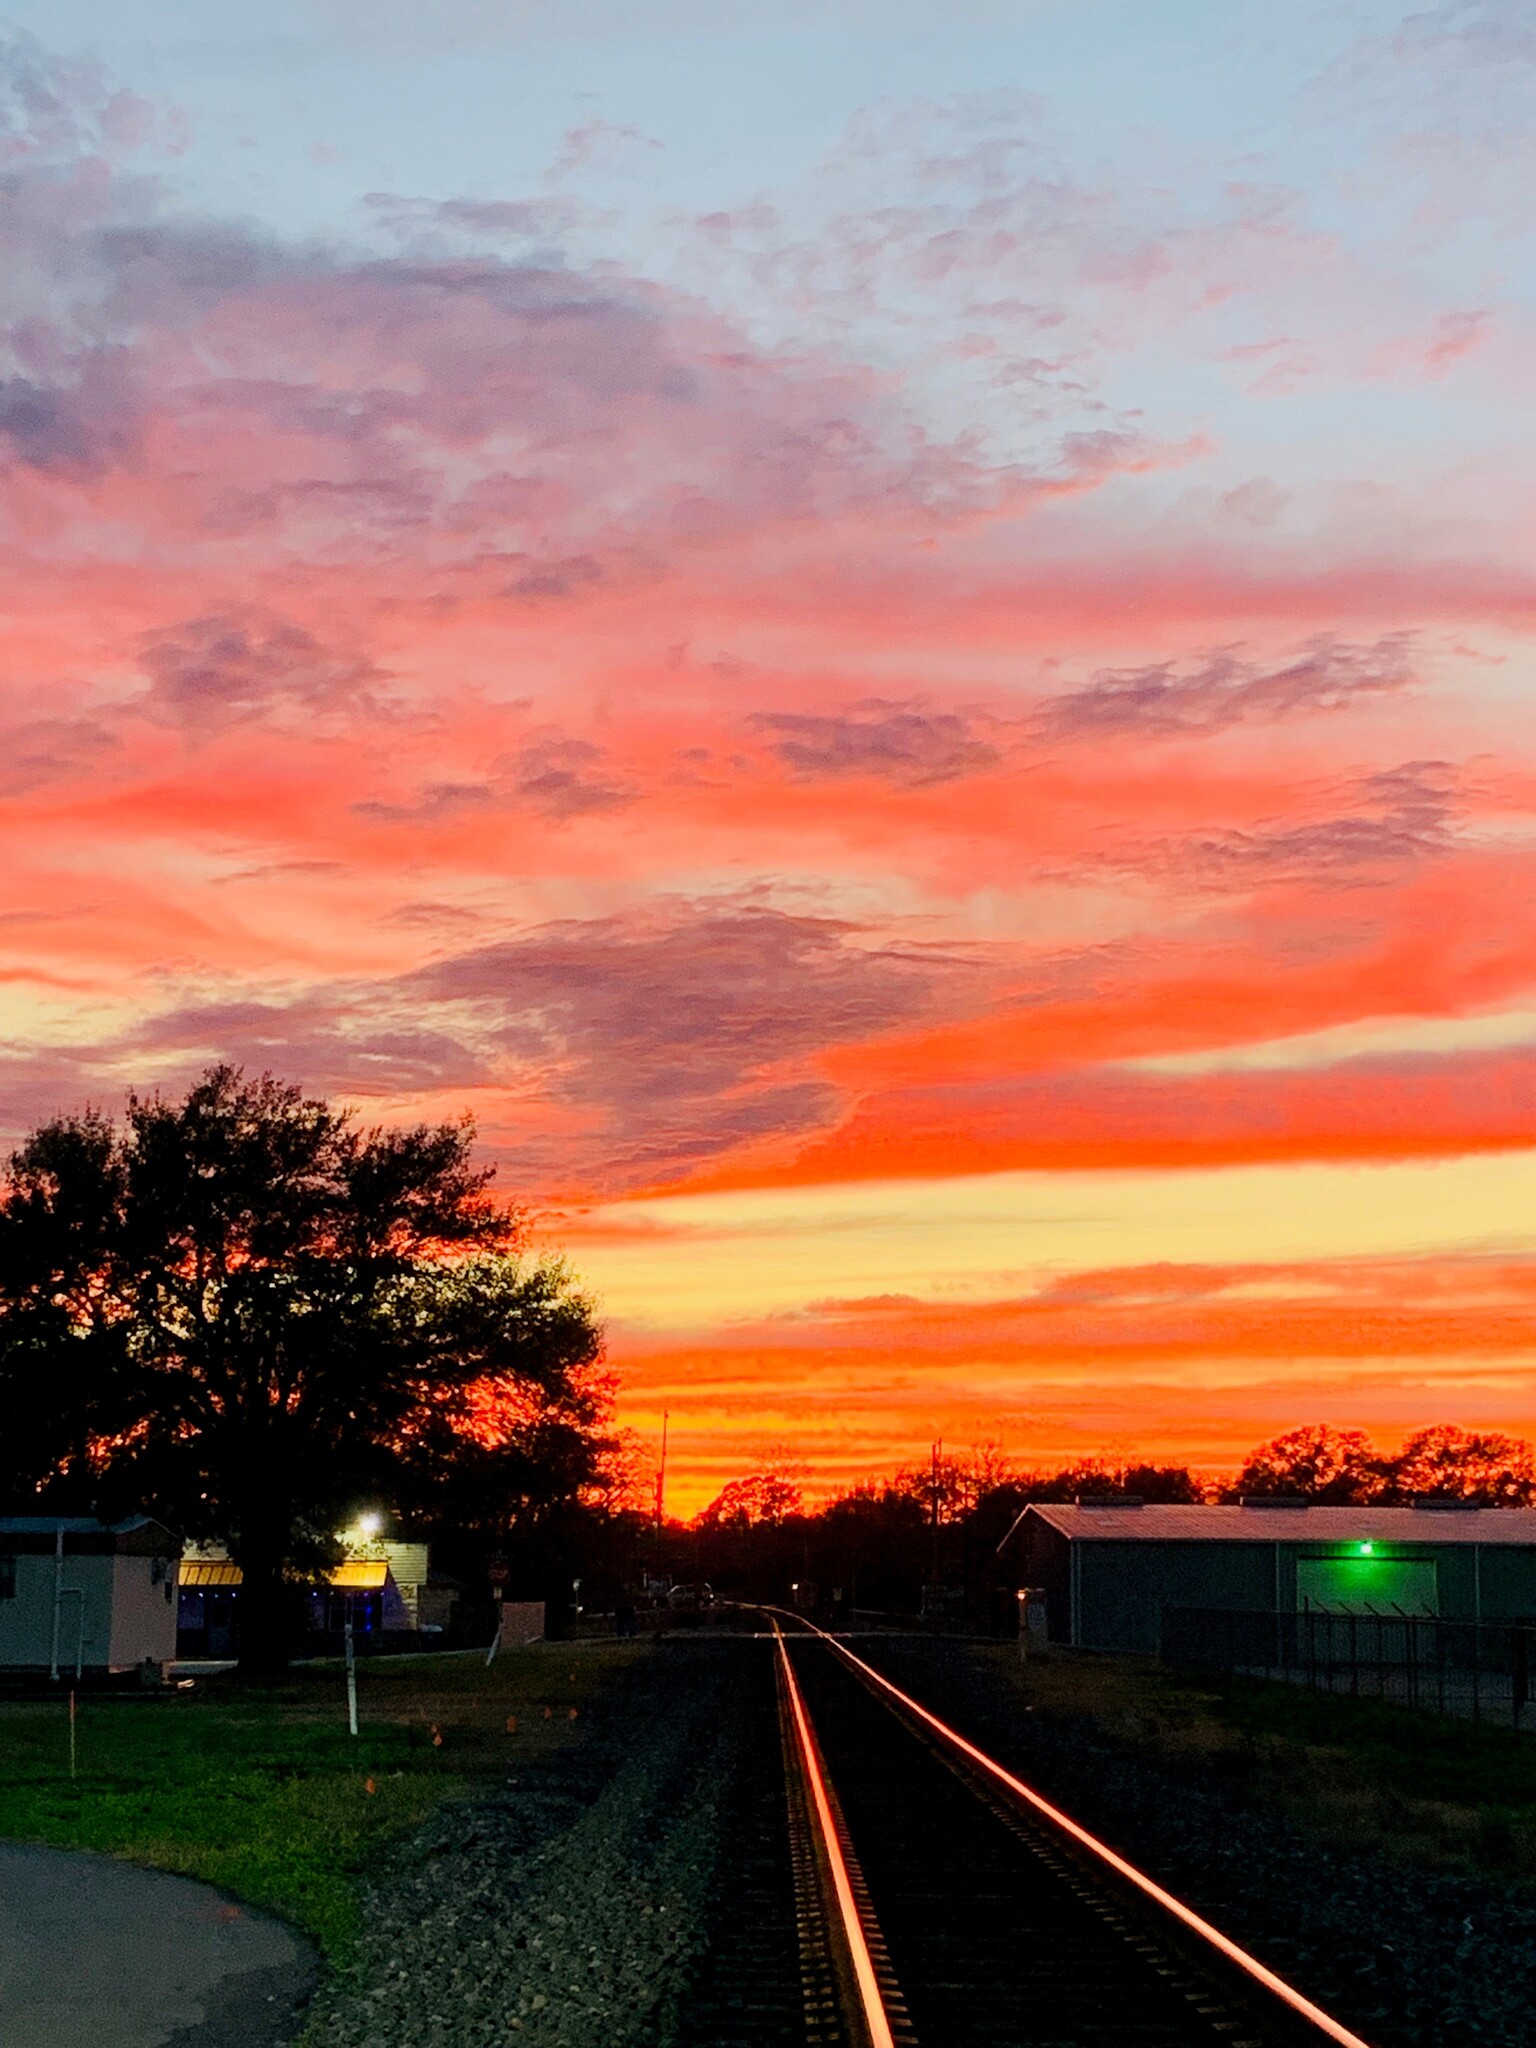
x=1366, y=1549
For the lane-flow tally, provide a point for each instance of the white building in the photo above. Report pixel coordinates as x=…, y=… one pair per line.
x=81, y=1595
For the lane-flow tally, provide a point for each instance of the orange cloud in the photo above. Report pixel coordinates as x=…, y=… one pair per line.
x=1193, y=1364
x=459, y=668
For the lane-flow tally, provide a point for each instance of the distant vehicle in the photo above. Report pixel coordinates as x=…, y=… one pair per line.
x=691, y=1599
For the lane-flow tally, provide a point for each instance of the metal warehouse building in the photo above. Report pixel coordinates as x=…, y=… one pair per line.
x=1109, y=1570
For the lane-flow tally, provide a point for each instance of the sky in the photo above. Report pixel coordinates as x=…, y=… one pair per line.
x=896, y=639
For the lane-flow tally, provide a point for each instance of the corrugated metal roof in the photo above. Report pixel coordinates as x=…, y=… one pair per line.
x=1290, y=1525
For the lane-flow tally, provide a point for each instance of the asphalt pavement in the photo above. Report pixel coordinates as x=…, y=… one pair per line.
x=100, y=1954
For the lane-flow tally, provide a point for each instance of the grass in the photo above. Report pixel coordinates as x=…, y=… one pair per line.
x=265, y=1793
x=1424, y=1788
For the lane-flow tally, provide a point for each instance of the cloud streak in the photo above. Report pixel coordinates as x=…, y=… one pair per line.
x=899, y=743
x=962, y=661
x=1228, y=689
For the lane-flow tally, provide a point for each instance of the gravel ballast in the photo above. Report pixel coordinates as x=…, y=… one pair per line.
x=572, y=1906
x=581, y=1904
x=1410, y=1958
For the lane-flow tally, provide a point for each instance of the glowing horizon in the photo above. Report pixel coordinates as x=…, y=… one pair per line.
x=900, y=650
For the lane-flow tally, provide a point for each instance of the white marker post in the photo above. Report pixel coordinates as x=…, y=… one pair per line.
x=351, y=1672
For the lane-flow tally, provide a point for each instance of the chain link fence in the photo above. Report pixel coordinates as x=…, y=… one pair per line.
x=1480, y=1669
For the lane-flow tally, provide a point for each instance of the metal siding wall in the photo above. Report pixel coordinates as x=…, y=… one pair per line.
x=93, y=1575
x=1126, y=1585
x=1509, y=1582
x=1458, y=1580
x=26, y=1623
x=1045, y=1563
x=143, y=1620
x=1284, y=1578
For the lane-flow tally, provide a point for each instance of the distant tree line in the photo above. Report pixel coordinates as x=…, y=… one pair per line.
x=244, y=1314
x=1342, y=1466
x=938, y=1525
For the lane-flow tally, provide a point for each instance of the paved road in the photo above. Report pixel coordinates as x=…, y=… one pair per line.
x=98, y=1954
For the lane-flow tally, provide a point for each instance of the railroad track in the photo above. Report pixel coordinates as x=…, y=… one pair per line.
x=942, y=1903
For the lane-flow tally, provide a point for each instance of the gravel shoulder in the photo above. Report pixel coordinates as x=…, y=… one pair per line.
x=572, y=1905
x=1408, y=1956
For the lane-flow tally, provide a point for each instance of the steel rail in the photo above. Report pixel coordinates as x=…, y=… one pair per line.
x=876, y=2021
x=1250, y=1965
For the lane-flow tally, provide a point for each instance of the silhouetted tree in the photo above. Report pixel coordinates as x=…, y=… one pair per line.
x=1315, y=1463
x=745, y=1503
x=64, y=1327
x=1168, y=1485
x=1480, y=1467
x=245, y=1313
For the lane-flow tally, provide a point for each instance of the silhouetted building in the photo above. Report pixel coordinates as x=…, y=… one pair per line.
x=1109, y=1568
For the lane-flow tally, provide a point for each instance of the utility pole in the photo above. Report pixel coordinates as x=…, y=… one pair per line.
x=661, y=1476
x=933, y=1492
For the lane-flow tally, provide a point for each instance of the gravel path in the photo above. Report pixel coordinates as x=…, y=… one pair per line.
x=1409, y=1958
x=569, y=1910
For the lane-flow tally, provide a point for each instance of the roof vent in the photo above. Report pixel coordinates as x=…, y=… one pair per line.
x=1443, y=1502
x=1273, y=1500
x=1108, y=1500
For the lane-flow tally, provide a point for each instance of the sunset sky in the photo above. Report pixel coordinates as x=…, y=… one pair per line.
x=895, y=635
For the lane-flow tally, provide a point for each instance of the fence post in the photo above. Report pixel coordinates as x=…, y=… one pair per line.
x=1477, y=1674
x=1520, y=1676
x=1308, y=1617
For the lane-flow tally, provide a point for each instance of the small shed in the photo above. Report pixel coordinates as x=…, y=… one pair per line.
x=78, y=1594
x=1109, y=1569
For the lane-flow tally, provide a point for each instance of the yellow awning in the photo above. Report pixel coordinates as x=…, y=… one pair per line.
x=362, y=1575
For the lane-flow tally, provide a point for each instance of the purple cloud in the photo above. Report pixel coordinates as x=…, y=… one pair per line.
x=233, y=666
x=1394, y=819
x=655, y=1042
x=562, y=778
x=555, y=777
x=80, y=425
x=48, y=750
x=900, y=743
x=1228, y=689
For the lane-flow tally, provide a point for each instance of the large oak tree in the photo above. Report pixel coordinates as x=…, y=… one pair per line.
x=247, y=1314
